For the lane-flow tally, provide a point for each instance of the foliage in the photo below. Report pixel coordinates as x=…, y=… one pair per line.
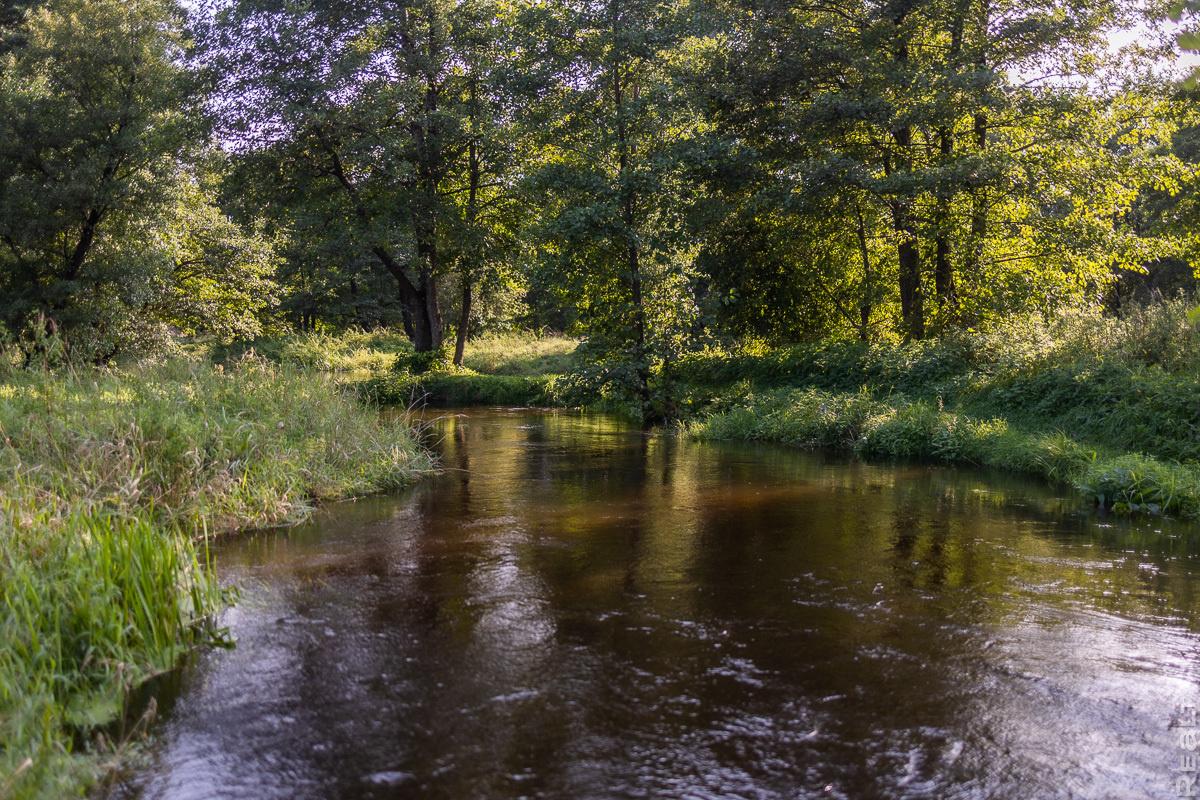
x=907, y=166
x=611, y=239
x=108, y=477
x=391, y=151
x=108, y=222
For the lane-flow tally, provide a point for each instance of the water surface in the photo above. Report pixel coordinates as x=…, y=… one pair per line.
x=577, y=610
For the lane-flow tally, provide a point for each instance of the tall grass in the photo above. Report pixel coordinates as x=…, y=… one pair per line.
x=108, y=480
x=1126, y=384
x=353, y=351
x=1110, y=406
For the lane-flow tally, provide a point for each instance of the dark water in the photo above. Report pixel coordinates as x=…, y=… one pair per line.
x=574, y=610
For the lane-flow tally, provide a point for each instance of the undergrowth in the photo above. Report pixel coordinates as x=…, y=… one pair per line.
x=109, y=481
x=1125, y=384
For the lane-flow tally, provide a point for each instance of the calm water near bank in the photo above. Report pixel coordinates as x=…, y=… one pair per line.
x=576, y=610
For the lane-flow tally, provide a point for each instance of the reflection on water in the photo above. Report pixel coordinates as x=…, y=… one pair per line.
x=574, y=609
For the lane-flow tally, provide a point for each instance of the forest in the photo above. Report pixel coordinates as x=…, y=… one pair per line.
x=958, y=231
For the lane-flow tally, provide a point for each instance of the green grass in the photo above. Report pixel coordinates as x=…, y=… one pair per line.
x=459, y=388
x=520, y=354
x=517, y=368
x=499, y=370
x=347, y=352
x=108, y=481
x=919, y=430
x=1128, y=385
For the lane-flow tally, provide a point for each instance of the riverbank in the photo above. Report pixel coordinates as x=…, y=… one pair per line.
x=1102, y=404
x=1124, y=482
x=112, y=479
x=1107, y=406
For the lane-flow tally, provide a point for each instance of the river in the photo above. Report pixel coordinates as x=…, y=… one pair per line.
x=574, y=609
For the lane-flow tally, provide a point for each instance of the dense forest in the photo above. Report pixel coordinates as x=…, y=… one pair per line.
x=956, y=231
x=650, y=177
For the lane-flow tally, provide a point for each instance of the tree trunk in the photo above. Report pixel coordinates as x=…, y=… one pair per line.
x=464, y=321
x=979, y=199
x=908, y=252
x=424, y=336
x=473, y=175
x=420, y=315
x=406, y=319
x=83, y=246
x=865, y=304
x=943, y=268
x=912, y=301
x=632, y=254
x=979, y=195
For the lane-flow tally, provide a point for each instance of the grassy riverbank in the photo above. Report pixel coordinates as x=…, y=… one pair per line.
x=498, y=370
x=110, y=480
x=1106, y=405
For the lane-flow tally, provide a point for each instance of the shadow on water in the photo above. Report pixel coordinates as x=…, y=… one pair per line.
x=576, y=609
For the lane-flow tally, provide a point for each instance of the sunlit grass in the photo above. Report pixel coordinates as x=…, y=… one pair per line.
x=520, y=354
x=904, y=429
x=107, y=479
x=500, y=369
x=352, y=351
x=1126, y=384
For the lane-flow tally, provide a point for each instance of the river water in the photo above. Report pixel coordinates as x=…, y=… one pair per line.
x=576, y=610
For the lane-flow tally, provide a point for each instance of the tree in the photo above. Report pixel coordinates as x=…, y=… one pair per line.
x=972, y=125
x=108, y=232
x=386, y=136
x=611, y=182
x=92, y=109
